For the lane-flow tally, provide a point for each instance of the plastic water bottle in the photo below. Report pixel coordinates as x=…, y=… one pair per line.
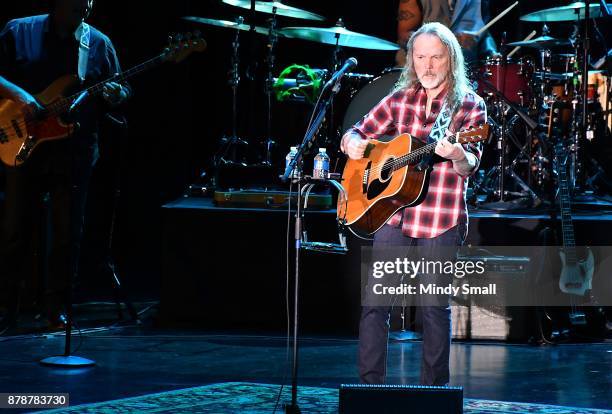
x=321, y=165
x=290, y=156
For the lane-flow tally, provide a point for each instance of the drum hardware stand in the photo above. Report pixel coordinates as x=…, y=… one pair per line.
x=293, y=169
x=586, y=48
x=608, y=109
x=501, y=192
x=581, y=128
x=504, y=105
x=229, y=144
x=272, y=40
x=575, y=166
x=332, y=133
x=545, y=66
x=578, y=173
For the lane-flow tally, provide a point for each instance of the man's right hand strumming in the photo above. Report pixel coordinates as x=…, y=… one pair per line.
x=30, y=105
x=354, y=146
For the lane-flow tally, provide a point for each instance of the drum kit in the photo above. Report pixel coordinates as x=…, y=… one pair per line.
x=337, y=36
x=538, y=102
x=533, y=101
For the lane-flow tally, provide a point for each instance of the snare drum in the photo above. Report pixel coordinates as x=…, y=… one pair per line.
x=510, y=78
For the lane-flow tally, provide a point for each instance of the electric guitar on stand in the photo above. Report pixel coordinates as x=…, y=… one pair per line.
x=387, y=179
x=576, y=275
x=20, y=135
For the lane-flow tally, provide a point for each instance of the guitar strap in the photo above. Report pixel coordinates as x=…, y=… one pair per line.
x=82, y=35
x=438, y=131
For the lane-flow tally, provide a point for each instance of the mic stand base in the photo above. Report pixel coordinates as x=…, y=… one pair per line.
x=404, y=335
x=68, y=361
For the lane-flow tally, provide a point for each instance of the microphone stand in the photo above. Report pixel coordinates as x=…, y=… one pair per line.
x=294, y=165
x=67, y=360
x=577, y=165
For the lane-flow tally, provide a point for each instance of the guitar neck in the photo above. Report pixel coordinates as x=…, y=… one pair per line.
x=62, y=105
x=567, y=225
x=418, y=154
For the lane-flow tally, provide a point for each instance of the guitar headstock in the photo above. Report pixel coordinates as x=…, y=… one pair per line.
x=182, y=45
x=562, y=153
x=478, y=134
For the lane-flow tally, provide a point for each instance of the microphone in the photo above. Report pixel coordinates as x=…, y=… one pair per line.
x=348, y=65
x=79, y=100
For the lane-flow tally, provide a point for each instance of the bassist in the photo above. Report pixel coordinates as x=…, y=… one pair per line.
x=34, y=51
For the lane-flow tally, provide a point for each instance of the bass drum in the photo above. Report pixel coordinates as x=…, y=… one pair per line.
x=369, y=96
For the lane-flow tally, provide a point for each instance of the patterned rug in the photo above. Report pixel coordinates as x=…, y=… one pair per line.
x=246, y=397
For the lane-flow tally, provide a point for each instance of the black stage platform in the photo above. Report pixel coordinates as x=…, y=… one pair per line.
x=226, y=267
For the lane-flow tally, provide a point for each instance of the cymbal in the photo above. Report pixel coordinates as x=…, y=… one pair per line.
x=275, y=7
x=574, y=11
x=339, y=34
x=542, y=42
x=225, y=23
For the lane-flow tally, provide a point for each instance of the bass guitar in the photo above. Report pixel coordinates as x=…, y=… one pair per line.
x=20, y=134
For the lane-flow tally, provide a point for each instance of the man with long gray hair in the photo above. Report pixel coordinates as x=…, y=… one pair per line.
x=432, y=94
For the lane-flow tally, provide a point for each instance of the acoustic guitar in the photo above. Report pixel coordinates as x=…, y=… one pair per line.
x=388, y=179
x=20, y=135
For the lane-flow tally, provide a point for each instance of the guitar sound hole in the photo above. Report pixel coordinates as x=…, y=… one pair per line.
x=387, y=169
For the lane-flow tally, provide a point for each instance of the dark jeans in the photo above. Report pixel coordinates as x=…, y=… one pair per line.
x=64, y=175
x=374, y=323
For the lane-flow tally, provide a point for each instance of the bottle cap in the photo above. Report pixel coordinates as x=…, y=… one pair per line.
x=322, y=150
x=293, y=149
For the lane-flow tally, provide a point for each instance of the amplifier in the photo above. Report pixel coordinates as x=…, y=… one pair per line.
x=483, y=318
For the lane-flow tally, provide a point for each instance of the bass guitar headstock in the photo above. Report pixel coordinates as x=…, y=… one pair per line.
x=182, y=45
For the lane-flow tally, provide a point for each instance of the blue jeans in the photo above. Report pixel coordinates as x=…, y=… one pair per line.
x=374, y=322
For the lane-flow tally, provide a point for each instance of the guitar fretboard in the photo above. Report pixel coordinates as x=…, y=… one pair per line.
x=417, y=154
x=567, y=226
x=62, y=105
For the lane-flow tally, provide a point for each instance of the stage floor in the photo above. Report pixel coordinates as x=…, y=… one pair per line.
x=137, y=361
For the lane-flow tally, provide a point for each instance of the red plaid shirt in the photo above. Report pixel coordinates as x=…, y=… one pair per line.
x=404, y=112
